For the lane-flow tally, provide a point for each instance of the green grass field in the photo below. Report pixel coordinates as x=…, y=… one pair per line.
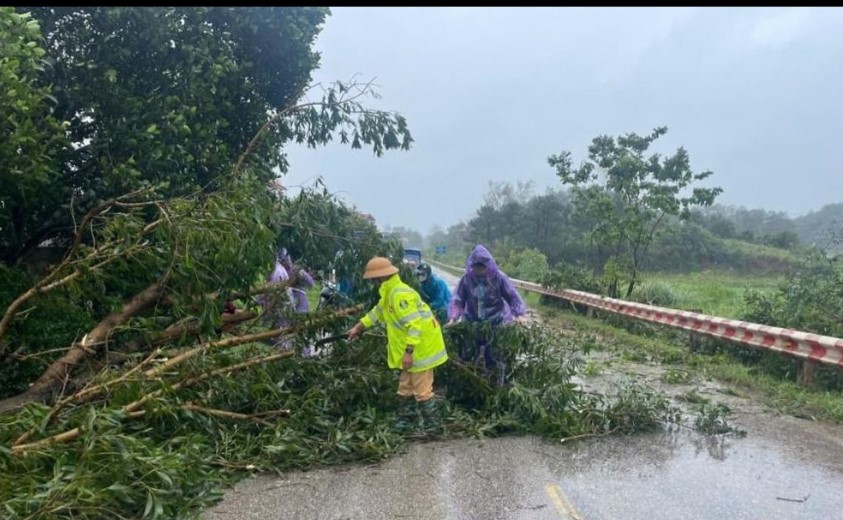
x=716, y=293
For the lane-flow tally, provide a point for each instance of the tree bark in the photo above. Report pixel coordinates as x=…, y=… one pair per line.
x=61, y=369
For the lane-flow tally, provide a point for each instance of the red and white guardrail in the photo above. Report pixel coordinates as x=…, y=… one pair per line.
x=804, y=345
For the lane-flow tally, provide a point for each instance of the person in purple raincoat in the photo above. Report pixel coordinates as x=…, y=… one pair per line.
x=276, y=303
x=302, y=281
x=485, y=295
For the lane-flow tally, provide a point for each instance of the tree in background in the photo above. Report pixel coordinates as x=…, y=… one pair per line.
x=524, y=264
x=549, y=223
x=408, y=237
x=502, y=193
x=32, y=139
x=453, y=239
x=170, y=98
x=628, y=195
x=822, y=228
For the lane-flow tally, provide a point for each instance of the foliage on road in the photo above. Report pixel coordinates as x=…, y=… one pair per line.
x=158, y=439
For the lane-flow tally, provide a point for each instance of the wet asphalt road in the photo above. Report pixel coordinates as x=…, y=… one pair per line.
x=658, y=476
x=785, y=468
x=450, y=279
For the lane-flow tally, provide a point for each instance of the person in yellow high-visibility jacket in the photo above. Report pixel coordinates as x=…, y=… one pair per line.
x=415, y=342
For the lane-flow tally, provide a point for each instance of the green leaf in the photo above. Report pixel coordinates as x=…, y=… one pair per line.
x=165, y=477
x=150, y=504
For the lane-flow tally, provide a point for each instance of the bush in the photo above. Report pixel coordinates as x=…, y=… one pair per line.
x=568, y=276
x=810, y=299
x=656, y=293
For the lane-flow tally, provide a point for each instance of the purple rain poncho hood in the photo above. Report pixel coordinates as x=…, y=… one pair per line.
x=278, y=275
x=286, y=260
x=491, y=298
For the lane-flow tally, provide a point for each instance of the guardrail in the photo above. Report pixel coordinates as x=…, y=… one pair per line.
x=808, y=347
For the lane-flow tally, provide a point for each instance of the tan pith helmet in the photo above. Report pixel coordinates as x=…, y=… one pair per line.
x=378, y=267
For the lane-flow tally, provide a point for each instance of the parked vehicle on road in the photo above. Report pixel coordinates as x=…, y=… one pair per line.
x=412, y=257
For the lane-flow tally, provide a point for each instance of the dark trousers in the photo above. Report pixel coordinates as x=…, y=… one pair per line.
x=481, y=349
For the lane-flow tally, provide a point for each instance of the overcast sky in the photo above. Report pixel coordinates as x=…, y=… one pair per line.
x=755, y=95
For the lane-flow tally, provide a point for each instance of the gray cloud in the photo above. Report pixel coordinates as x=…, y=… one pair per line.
x=489, y=93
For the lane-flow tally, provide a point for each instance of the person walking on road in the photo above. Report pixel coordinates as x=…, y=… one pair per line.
x=485, y=295
x=415, y=344
x=434, y=292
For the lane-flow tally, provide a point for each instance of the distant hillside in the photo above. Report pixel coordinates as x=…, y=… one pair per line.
x=822, y=228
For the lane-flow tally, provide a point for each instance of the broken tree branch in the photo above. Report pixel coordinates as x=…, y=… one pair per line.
x=131, y=410
x=61, y=369
x=91, y=392
x=48, y=282
x=225, y=413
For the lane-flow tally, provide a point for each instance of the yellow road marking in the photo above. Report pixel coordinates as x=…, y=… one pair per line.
x=563, y=505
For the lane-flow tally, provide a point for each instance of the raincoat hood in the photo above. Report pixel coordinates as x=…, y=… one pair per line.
x=492, y=297
x=285, y=259
x=481, y=255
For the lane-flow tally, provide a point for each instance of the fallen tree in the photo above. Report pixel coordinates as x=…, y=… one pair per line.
x=161, y=438
x=185, y=248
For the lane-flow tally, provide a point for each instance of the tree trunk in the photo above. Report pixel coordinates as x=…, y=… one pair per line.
x=124, y=353
x=613, y=288
x=60, y=371
x=632, y=280
x=630, y=287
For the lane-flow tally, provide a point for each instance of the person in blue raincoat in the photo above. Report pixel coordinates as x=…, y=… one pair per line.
x=434, y=292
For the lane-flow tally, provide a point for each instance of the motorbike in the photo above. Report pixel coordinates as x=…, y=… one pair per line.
x=330, y=297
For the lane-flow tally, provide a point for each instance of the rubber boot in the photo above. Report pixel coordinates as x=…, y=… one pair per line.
x=406, y=419
x=432, y=416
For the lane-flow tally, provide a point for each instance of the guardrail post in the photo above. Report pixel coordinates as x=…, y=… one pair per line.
x=589, y=311
x=805, y=372
x=694, y=341
x=694, y=337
